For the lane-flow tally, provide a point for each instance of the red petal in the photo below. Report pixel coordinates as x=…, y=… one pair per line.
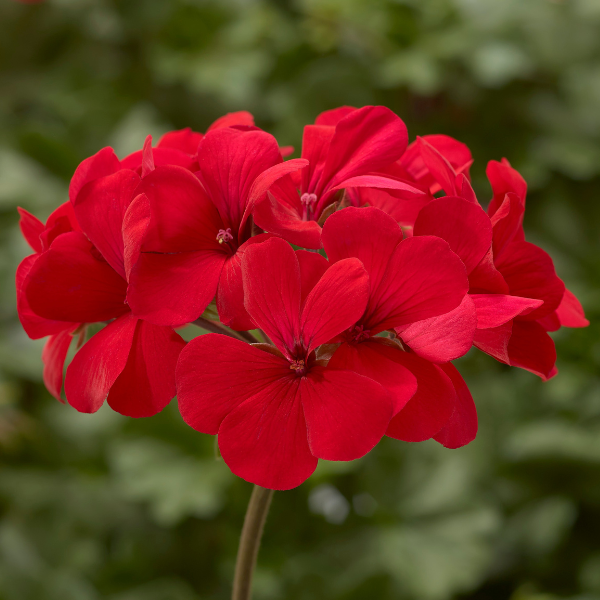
x=173, y=289
x=336, y=302
x=464, y=189
x=265, y=181
x=312, y=268
x=183, y=217
x=60, y=221
x=494, y=310
x=286, y=150
x=439, y=168
x=402, y=212
x=100, y=207
x=267, y=178
x=230, y=293
x=455, y=153
x=531, y=348
x=504, y=179
x=365, y=233
x=444, y=338
x=485, y=278
x=550, y=322
x=53, y=356
x=31, y=228
x=379, y=362
x=346, y=414
x=281, y=217
x=424, y=279
x=162, y=157
x=216, y=373
x=464, y=225
x=366, y=140
x=315, y=145
x=570, y=312
x=264, y=440
x=103, y=163
x=272, y=293
x=230, y=160
x=529, y=272
x=430, y=408
x=507, y=222
x=64, y=210
x=69, y=283
x=494, y=341
x=147, y=383
x=95, y=368
x=334, y=116
x=35, y=326
x=184, y=140
x=135, y=225
x=462, y=426
x=232, y=119
x=147, y=157
x=404, y=190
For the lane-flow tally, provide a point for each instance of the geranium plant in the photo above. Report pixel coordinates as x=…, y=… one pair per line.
x=338, y=288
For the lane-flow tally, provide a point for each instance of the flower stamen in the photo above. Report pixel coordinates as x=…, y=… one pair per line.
x=224, y=236
x=308, y=199
x=308, y=202
x=298, y=366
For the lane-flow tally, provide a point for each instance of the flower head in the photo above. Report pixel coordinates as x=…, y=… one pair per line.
x=277, y=409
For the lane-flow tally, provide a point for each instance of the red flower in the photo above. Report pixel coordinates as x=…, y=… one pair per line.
x=513, y=283
x=277, y=408
x=345, y=149
x=410, y=281
x=80, y=279
x=200, y=229
x=39, y=237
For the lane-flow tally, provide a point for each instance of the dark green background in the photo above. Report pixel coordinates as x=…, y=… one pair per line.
x=106, y=507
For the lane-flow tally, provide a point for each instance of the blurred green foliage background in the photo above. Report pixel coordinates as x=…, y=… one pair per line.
x=104, y=507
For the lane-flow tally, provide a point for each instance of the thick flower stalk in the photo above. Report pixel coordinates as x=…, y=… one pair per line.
x=397, y=271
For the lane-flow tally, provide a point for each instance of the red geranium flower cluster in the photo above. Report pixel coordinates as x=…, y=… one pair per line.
x=402, y=272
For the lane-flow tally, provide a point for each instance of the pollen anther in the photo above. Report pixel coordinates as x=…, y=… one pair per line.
x=308, y=199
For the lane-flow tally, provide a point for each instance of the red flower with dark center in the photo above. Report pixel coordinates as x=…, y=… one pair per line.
x=346, y=152
x=200, y=229
x=277, y=409
x=410, y=281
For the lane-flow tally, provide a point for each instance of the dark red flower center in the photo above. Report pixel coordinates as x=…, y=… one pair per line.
x=358, y=333
x=300, y=362
x=299, y=366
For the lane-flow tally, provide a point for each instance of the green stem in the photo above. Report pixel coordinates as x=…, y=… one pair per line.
x=214, y=327
x=256, y=515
